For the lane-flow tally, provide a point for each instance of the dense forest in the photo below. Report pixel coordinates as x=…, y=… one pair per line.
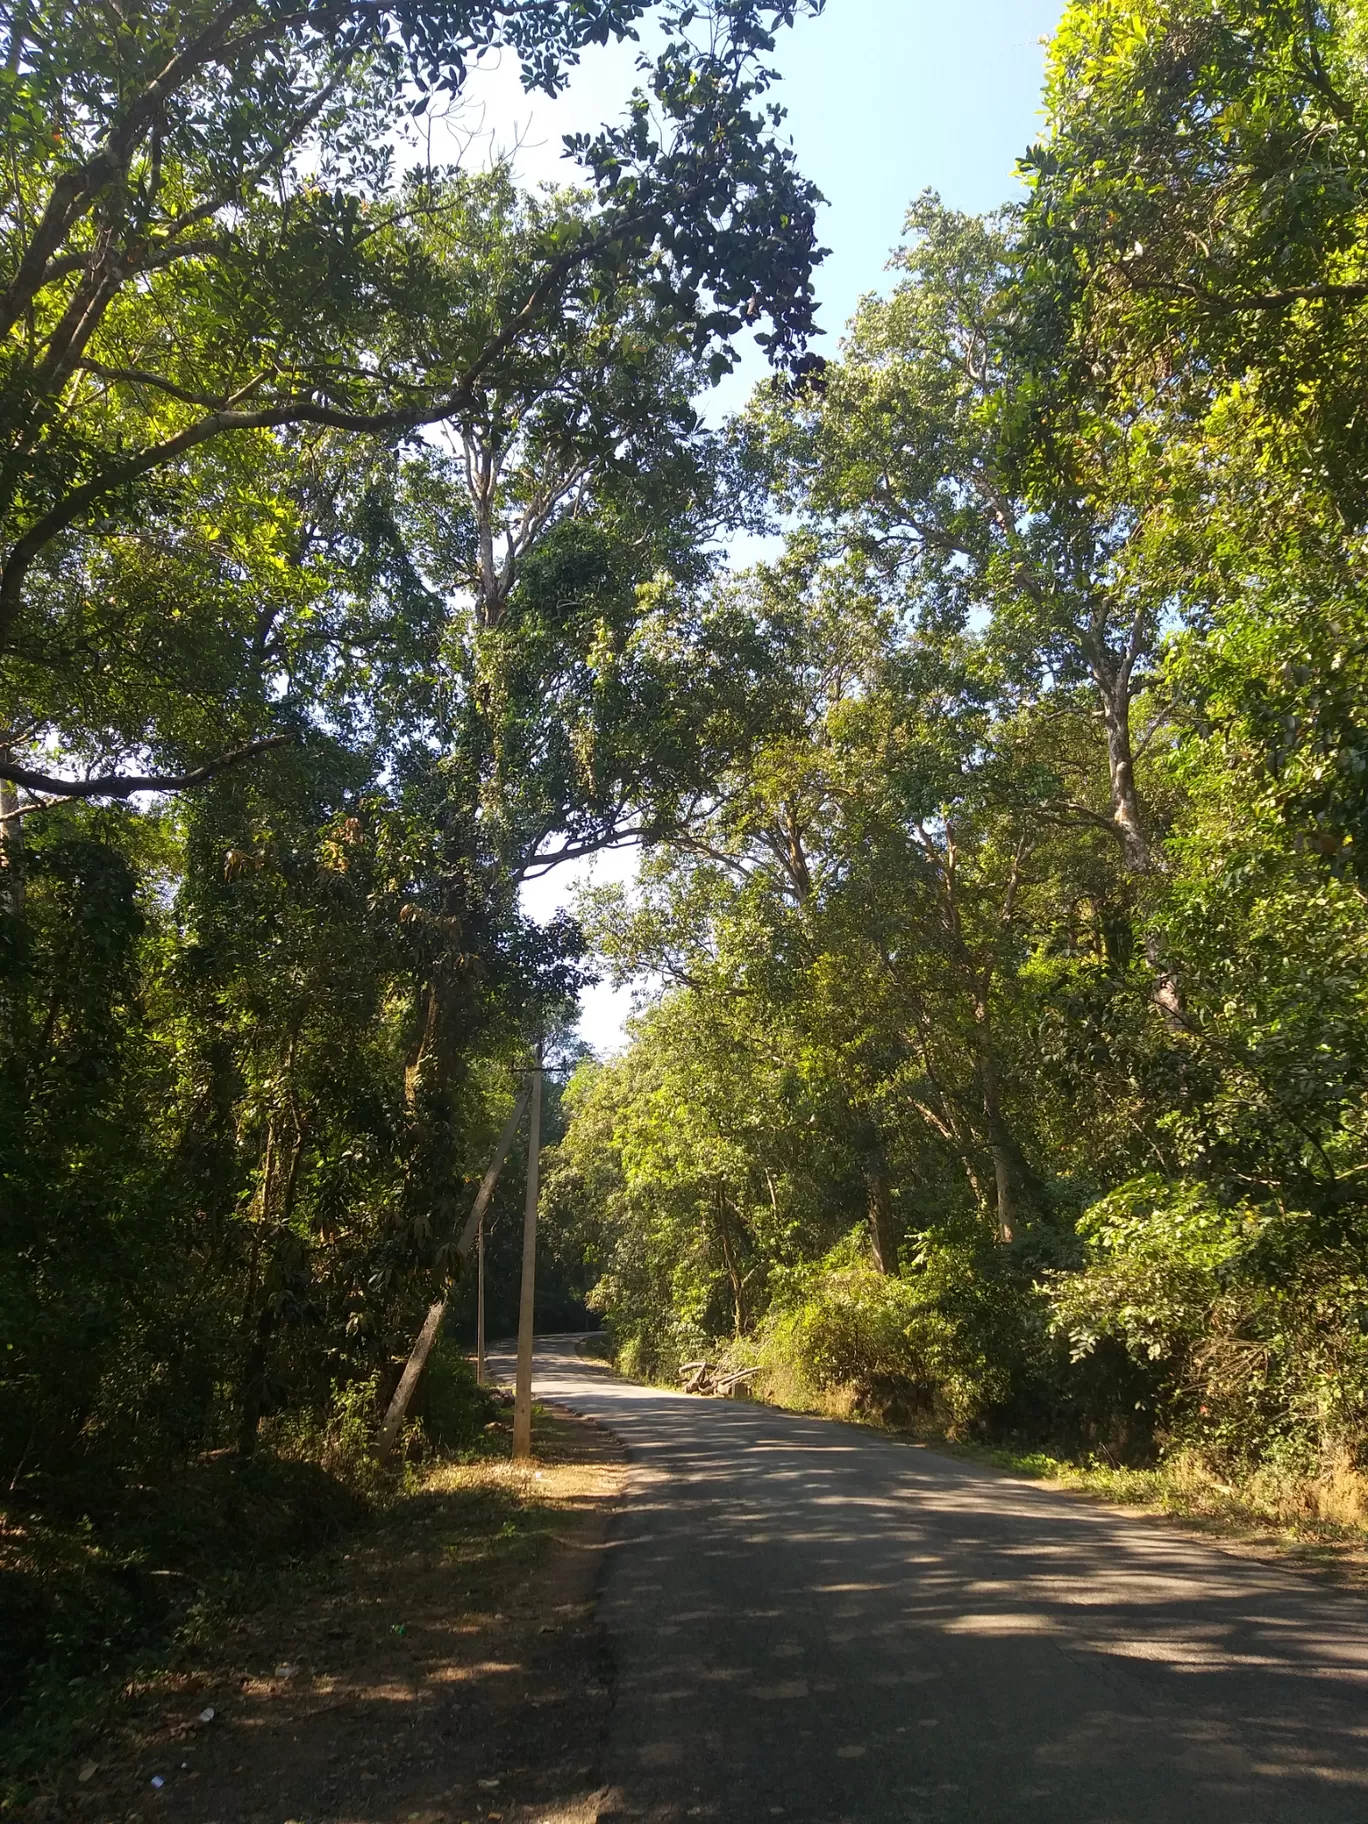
x=357, y=516
x=1003, y=1067
x=1001, y=916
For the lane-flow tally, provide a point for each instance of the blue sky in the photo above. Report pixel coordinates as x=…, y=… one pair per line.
x=885, y=98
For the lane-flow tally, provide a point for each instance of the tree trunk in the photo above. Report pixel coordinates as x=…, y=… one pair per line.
x=527, y=1305
x=254, y=1381
x=11, y=850
x=1125, y=799
x=1001, y=1150
x=1113, y=686
x=729, y=1262
x=474, y=1229
x=1011, y=1174
x=413, y=1369
x=253, y=1393
x=423, y=1045
x=883, y=1242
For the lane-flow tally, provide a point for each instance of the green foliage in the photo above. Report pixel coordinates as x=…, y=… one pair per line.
x=345, y=682
x=1032, y=927
x=1157, y=1253
x=1260, y=1331
x=457, y=1408
x=934, y=1348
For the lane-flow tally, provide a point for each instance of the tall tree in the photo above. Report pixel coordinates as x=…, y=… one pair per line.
x=923, y=454
x=204, y=245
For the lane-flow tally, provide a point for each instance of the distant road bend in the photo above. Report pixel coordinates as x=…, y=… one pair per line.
x=813, y=1623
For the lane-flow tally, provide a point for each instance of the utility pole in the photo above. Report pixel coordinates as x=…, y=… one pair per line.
x=479, y=1307
x=522, y=1391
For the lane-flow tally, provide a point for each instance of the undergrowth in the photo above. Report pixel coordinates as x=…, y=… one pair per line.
x=918, y=1355
x=99, y=1589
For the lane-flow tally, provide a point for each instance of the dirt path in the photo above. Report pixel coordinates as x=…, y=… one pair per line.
x=450, y=1672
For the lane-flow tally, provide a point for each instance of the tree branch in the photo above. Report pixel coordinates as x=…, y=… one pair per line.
x=74, y=189
x=1350, y=291
x=124, y=785
x=619, y=837
x=138, y=376
x=459, y=397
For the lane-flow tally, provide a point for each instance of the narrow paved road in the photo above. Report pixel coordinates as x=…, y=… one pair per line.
x=813, y=1623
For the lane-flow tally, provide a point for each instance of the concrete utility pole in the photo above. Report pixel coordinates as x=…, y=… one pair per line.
x=522, y=1391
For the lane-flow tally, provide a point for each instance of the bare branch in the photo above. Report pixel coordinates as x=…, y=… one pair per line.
x=617, y=838
x=124, y=785
x=138, y=376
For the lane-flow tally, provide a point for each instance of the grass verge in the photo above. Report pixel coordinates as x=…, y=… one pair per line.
x=1294, y=1521
x=1244, y=1516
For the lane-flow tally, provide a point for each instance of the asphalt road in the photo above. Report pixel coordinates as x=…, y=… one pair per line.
x=814, y=1623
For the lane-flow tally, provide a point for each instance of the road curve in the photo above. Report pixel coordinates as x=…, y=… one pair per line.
x=814, y=1623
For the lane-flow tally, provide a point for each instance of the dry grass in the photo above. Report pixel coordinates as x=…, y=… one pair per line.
x=548, y=1481
x=468, y=1589
x=1315, y=1524
x=1318, y=1523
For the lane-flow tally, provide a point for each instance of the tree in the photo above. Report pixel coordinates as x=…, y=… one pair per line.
x=863, y=875
x=1071, y=621
x=206, y=247
x=921, y=454
x=1196, y=220
x=335, y=981
x=1192, y=246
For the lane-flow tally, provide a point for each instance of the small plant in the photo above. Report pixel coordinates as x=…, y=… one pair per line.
x=341, y=1441
x=457, y=1408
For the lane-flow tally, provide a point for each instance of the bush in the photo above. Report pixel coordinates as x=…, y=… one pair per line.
x=80, y=1598
x=1258, y=1324
x=656, y=1352
x=341, y=1440
x=945, y=1346
x=457, y=1407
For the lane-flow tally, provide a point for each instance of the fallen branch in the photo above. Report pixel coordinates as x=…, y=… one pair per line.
x=702, y=1377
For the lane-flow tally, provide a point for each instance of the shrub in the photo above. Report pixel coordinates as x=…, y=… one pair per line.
x=341, y=1440
x=1261, y=1336
x=943, y=1346
x=457, y=1407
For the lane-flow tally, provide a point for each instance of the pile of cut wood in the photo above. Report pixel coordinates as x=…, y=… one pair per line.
x=706, y=1377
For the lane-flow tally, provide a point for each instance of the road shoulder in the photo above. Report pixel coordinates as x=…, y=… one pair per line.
x=449, y=1669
